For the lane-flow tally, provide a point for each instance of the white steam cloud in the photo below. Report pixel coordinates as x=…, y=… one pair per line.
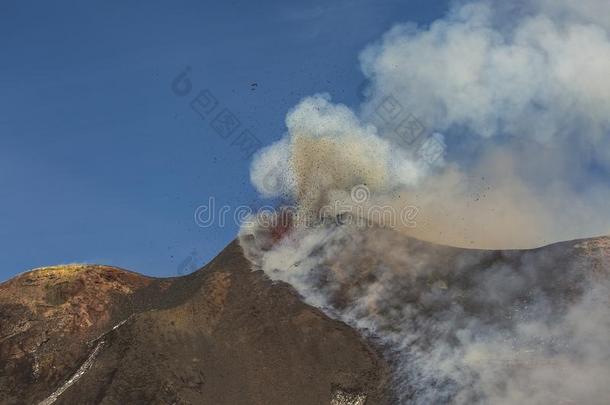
x=517, y=100
x=462, y=326
x=494, y=121
x=536, y=78
x=329, y=149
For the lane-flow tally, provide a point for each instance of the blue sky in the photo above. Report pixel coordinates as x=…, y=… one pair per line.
x=101, y=162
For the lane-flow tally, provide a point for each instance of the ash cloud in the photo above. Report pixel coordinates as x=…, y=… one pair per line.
x=460, y=326
x=328, y=149
x=519, y=96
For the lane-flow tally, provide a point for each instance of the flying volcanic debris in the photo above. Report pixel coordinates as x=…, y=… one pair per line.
x=515, y=104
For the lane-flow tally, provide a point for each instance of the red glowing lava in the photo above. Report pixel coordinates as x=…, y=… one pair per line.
x=282, y=225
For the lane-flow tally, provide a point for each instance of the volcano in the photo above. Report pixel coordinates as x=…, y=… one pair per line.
x=82, y=334
x=231, y=334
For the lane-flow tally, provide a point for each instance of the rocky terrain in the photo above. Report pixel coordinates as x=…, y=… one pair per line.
x=225, y=334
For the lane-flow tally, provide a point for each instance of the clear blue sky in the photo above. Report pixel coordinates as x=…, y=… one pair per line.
x=101, y=162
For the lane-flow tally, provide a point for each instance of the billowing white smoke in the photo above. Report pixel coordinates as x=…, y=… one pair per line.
x=513, y=100
x=461, y=326
x=494, y=121
x=328, y=150
x=534, y=78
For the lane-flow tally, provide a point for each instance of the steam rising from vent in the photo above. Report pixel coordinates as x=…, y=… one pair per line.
x=460, y=326
x=329, y=151
x=514, y=103
x=517, y=102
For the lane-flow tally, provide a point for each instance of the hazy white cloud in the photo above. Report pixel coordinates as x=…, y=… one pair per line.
x=271, y=172
x=523, y=86
x=459, y=326
x=328, y=149
x=582, y=11
x=542, y=79
x=527, y=82
x=517, y=97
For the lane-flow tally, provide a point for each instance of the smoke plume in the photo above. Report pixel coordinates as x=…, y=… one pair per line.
x=494, y=122
x=516, y=101
x=461, y=326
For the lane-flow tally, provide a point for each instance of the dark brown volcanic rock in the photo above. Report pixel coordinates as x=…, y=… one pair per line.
x=48, y=315
x=83, y=334
x=223, y=335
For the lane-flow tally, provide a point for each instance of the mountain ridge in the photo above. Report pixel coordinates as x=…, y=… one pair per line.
x=224, y=334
